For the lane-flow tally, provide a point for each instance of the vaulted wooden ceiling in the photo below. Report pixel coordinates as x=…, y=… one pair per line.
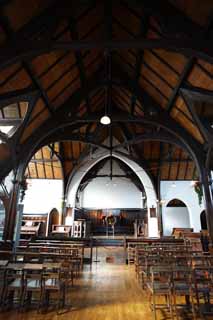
x=147, y=63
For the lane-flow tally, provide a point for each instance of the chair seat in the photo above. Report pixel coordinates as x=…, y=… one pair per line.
x=179, y=287
x=16, y=284
x=33, y=284
x=52, y=284
x=159, y=287
x=203, y=289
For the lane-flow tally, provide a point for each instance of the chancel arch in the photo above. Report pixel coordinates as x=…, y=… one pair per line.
x=140, y=172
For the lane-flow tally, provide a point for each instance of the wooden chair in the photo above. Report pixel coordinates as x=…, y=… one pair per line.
x=53, y=282
x=160, y=285
x=203, y=286
x=151, y=261
x=182, y=285
x=32, y=284
x=67, y=273
x=13, y=287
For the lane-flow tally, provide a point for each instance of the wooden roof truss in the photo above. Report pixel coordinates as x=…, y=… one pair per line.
x=139, y=59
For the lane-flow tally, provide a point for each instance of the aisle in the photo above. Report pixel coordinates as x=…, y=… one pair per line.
x=109, y=291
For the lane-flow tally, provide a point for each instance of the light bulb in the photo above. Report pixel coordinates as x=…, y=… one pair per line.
x=105, y=120
x=192, y=183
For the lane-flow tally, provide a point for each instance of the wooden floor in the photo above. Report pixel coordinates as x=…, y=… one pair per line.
x=107, y=291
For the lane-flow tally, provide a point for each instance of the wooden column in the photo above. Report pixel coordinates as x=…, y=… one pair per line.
x=205, y=177
x=159, y=207
x=10, y=218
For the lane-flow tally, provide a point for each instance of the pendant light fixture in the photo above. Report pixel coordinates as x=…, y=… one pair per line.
x=105, y=119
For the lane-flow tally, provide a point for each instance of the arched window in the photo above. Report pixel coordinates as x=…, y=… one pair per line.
x=176, y=203
x=175, y=215
x=53, y=219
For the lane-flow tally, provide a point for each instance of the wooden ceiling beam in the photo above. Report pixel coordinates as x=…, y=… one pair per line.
x=186, y=170
x=43, y=160
x=19, y=131
x=140, y=57
x=171, y=160
x=161, y=116
x=36, y=82
x=140, y=157
x=65, y=135
x=87, y=149
x=183, y=77
x=79, y=61
x=198, y=93
x=160, y=161
x=53, y=151
x=179, y=163
x=152, y=136
x=190, y=105
x=65, y=174
x=10, y=122
x=12, y=38
x=193, y=47
x=65, y=116
x=11, y=97
x=45, y=174
x=170, y=151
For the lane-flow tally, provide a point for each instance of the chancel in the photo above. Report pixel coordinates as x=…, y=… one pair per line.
x=106, y=159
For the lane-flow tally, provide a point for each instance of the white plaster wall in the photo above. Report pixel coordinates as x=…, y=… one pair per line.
x=184, y=192
x=175, y=218
x=104, y=193
x=43, y=195
x=118, y=193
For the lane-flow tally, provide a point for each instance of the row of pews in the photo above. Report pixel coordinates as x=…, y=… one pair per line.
x=41, y=271
x=176, y=275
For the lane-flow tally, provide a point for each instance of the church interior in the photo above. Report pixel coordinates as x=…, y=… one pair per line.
x=106, y=159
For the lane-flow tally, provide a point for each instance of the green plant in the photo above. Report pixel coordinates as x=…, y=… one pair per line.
x=199, y=190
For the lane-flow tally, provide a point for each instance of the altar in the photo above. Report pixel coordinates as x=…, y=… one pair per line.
x=111, y=222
